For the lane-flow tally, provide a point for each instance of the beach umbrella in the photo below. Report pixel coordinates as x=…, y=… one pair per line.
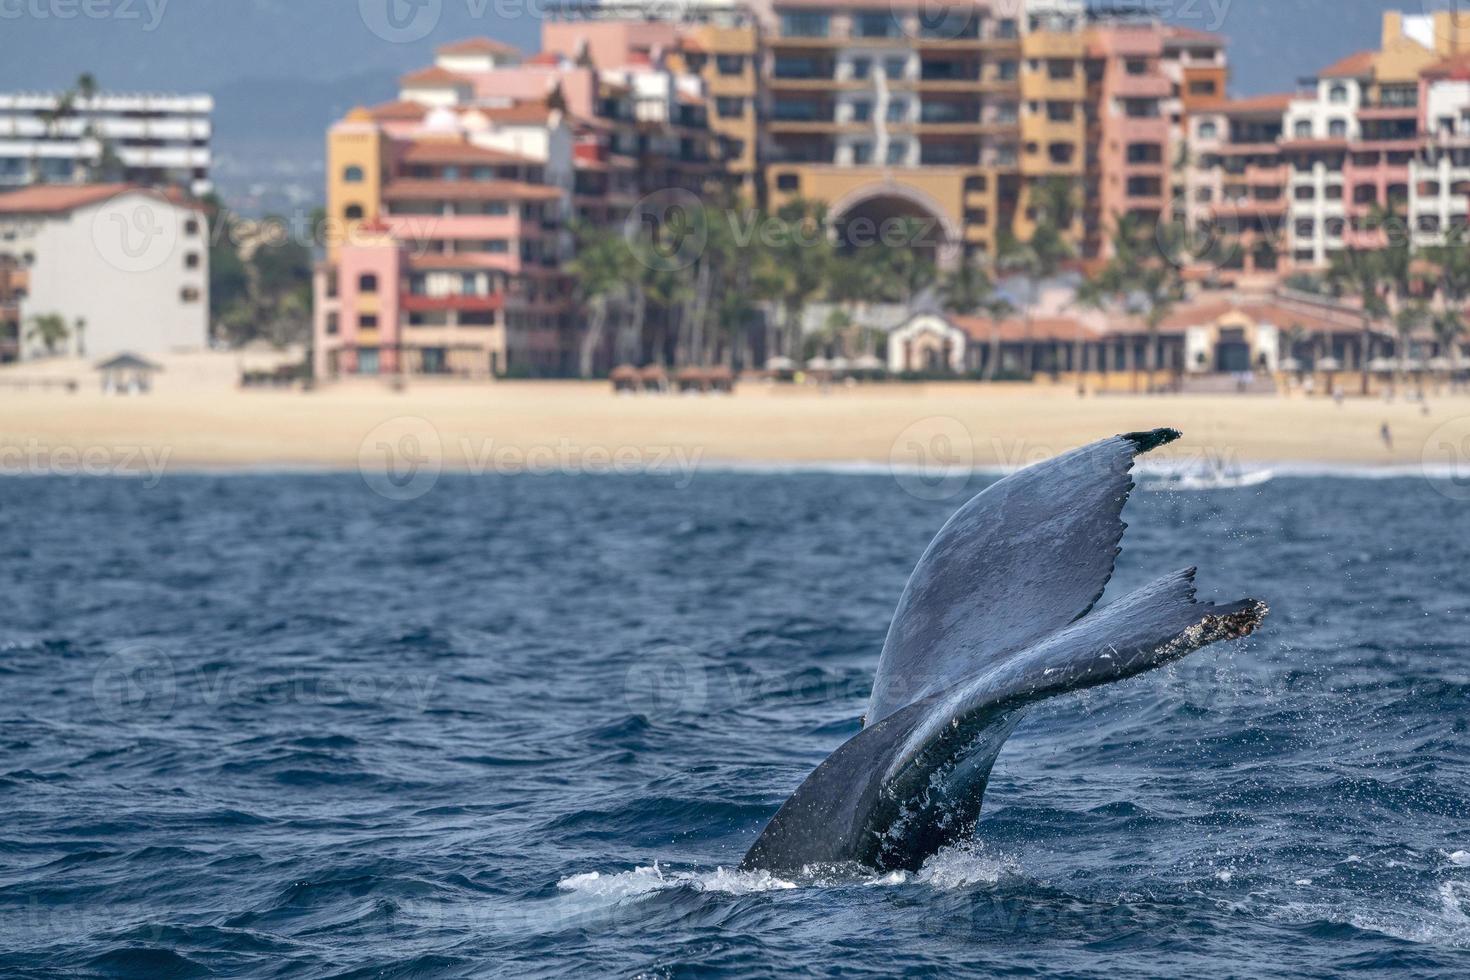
x=1383, y=365
x=840, y=364
x=1441, y=363
x=1291, y=364
x=819, y=364
x=869, y=363
x=1329, y=364
x=780, y=364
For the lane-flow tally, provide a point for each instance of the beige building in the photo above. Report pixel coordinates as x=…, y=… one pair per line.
x=125, y=268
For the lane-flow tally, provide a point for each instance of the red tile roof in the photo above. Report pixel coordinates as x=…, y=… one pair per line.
x=435, y=76
x=1189, y=35
x=440, y=190
x=520, y=114
x=455, y=151
x=61, y=198
x=1358, y=65
x=1455, y=67
x=1258, y=105
x=399, y=110
x=980, y=329
x=479, y=45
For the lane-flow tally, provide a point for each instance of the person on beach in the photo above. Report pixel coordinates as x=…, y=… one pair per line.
x=1387, y=436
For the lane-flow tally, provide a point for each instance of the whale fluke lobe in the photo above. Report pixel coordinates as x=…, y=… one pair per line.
x=996, y=617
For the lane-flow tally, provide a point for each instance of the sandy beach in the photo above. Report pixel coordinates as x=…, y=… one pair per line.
x=196, y=417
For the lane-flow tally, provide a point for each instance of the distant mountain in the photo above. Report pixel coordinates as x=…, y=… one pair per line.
x=282, y=70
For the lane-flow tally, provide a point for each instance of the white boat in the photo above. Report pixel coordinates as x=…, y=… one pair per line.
x=1216, y=478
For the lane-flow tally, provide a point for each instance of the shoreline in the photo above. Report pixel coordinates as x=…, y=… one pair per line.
x=197, y=421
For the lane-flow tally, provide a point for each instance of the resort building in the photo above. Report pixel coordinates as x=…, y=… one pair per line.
x=1247, y=337
x=1287, y=181
x=455, y=203
x=156, y=140
x=122, y=267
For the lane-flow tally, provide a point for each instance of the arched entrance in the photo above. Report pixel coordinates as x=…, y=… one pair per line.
x=897, y=215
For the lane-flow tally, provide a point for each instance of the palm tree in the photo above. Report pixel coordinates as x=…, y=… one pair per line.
x=965, y=288
x=1359, y=272
x=1405, y=324
x=602, y=268
x=1448, y=326
x=803, y=255
x=49, y=330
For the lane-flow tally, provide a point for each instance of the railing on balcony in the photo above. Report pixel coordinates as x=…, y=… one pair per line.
x=950, y=26
x=948, y=113
x=801, y=112
x=803, y=68
x=949, y=71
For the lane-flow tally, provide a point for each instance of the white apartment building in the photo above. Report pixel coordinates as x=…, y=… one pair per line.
x=159, y=140
x=130, y=265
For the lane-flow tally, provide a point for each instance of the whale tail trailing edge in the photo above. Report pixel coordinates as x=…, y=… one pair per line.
x=912, y=780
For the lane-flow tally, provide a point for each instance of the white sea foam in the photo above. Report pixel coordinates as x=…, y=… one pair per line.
x=644, y=881
x=960, y=866
x=1460, y=859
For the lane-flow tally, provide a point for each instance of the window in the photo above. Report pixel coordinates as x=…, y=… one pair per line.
x=730, y=64
x=1145, y=153
x=862, y=68
x=368, y=321
x=787, y=182
x=334, y=324
x=862, y=111
x=353, y=175
x=874, y=23
x=1338, y=94
x=1136, y=66
x=1306, y=192
x=898, y=110
x=367, y=283
x=898, y=152
x=729, y=107
x=1059, y=112
x=191, y=227
x=353, y=212
x=1337, y=128
x=895, y=67
x=1059, y=71
x=1202, y=87
x=1302, y=129
x=191, y=260
x=189, y=294
x=1060, y=153
x=1208, y=131
x=804, y=24
x=1005, y=71
x=862, y=154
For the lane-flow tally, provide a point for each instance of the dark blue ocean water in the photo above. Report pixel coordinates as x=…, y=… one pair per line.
x=280, y=726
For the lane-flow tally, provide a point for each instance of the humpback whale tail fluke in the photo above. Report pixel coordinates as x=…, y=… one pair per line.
x=996, y=617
